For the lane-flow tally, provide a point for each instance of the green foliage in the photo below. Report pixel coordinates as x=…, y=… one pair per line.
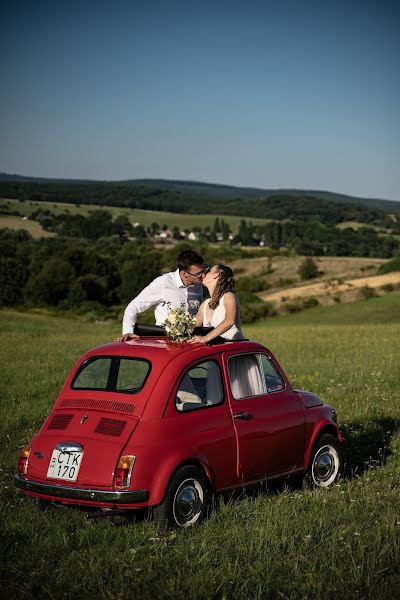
x=13, y=276
x=308, y=269
x=251, y=283
x=391, y=265
x=367, y=292
x=138, y=273
x=310, y=302
x=302, y=207
x=51, y=284
x=252, y=308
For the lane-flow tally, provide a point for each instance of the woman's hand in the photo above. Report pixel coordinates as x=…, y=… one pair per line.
x=198, y=339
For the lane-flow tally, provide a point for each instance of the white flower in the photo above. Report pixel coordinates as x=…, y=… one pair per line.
x=179, y=324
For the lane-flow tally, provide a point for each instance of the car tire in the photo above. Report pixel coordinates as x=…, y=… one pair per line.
x=186, y=500
x=326, y=463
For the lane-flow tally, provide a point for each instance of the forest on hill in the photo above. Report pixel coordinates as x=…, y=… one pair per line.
x=98, y=261
x=277, y=207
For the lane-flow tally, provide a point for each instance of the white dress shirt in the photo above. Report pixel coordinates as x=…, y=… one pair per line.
x=165, y=292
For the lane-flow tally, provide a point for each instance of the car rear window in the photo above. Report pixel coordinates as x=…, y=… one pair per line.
x=112, y=374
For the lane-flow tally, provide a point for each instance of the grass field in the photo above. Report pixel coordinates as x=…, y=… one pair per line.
x=144, y=217
x=283, y=543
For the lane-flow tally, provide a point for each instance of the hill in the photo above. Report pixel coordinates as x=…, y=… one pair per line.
x=197, y=189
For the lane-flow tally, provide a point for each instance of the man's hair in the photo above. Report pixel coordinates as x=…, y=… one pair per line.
x=187, y=258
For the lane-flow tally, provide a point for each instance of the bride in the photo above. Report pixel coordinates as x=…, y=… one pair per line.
x=221, y=311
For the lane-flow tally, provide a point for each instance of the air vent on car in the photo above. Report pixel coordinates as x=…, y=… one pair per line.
x=110, y=426
x=59, y=421
x=108, y=405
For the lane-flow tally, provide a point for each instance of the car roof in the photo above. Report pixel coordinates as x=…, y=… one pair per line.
x=161, y=349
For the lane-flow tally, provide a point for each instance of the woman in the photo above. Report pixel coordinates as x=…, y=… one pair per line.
x=221, y=311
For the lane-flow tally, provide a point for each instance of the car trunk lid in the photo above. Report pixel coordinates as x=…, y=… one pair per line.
x=101, y=434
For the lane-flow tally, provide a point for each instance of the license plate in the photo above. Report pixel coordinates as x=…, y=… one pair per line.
x=64, y=465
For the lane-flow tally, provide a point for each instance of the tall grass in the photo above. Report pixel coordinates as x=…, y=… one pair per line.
x=276, y=543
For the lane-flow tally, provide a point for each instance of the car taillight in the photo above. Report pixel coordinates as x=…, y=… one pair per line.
x=123, y=472
x=23, y=460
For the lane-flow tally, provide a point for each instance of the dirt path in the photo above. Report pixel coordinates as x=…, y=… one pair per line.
x=332, y=288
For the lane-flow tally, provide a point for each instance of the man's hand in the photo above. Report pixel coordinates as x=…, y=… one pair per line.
x=127, y=337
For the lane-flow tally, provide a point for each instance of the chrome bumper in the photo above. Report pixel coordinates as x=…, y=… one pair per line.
x=73, y=493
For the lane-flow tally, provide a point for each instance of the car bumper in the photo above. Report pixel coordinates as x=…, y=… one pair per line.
x=85, y=495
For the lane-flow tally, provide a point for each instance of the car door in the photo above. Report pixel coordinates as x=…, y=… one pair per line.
x=198, y=421
x=268, y=417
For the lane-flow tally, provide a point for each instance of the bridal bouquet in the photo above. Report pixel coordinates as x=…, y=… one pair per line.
x=179, y=324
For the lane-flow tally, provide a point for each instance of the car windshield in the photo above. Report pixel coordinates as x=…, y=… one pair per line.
x=112, y=374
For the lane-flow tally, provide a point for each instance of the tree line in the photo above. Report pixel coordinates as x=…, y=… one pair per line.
x=279, y=207
x=93, y=276
x=314, y=239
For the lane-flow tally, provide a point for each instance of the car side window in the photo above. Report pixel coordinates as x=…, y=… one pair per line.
x=273, y=379
x=200, y=387
x=246, y=376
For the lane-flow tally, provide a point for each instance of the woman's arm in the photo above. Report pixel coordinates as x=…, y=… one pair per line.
x=231, y=308
x=199, y=315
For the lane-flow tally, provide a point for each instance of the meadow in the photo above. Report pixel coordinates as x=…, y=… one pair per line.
x=135, y=215
x=280, y=542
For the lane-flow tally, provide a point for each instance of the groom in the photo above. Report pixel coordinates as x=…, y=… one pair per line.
x=170, y=290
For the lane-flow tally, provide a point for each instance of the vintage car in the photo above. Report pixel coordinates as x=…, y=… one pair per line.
x=161, y=425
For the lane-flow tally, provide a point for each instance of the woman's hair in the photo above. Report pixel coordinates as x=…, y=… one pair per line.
x=225, y=283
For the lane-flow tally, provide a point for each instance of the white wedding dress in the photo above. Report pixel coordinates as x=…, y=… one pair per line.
x=234, y=332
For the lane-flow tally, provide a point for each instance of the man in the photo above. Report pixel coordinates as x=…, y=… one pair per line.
x=170, y=290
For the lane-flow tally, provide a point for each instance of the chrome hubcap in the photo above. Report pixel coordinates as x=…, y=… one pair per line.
x=325, y=466
x=188, y=502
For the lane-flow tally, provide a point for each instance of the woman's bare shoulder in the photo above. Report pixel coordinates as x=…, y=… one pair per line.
x=229, y=297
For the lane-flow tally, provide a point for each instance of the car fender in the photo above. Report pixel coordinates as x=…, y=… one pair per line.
x=162, y=475
x=321, y=427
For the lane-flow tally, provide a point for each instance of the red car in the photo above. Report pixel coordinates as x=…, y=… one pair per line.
x=163, y=425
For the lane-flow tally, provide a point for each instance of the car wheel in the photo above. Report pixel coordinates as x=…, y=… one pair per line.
x=326, y=463
x=186, y=500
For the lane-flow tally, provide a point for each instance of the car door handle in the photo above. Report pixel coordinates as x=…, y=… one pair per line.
x=243, y=415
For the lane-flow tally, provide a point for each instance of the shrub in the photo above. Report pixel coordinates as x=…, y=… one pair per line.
x=293, y=307
x=310, y=302
x=391, y=265
x=252, y=283
x=252, y=308
x=308, y=269
x=367, y=292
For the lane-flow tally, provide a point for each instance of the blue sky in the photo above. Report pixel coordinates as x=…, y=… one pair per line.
x=303, y=95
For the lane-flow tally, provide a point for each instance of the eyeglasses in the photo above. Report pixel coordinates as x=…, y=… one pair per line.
x=199, y=274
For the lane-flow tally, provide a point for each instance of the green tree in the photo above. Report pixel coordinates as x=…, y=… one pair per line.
x=308, y=269
x=137, y=273
x=51, y=285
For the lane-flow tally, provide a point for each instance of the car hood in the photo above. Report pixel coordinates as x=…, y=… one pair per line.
x=102, y=435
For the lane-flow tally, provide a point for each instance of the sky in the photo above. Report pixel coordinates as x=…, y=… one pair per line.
x=261, y=94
